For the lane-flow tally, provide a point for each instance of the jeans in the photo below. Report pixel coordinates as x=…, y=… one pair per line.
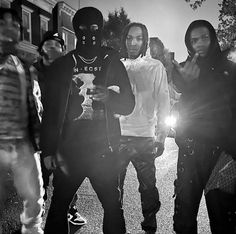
x=19, y=157
x=140, y=151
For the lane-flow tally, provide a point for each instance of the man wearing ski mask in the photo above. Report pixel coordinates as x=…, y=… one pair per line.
x=204, y=134
x=80, y=133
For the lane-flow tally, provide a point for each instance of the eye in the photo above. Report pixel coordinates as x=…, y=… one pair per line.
x=205, y=37
x=139, y=38
x=193, y=41
x=128, y=38
x=83, y=27
x=57, y=44
x=94, y=27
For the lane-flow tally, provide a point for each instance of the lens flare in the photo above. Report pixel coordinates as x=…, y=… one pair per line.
x=171, y=121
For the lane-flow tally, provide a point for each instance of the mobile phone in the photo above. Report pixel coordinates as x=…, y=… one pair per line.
x=172, y=55
x=91, y=91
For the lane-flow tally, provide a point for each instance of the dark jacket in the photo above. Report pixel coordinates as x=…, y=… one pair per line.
x=57, y=92
x=205, y=104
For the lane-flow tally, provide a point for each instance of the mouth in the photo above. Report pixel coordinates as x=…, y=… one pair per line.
x=133, y=54
x=6, y=38
x=133, y=51
x=201, y=52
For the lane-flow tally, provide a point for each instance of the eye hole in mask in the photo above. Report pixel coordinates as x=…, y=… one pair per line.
x=93, y=27
x=83, y=27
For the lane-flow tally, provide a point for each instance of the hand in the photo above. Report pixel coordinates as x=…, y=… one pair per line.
x=99, y=93
x=190, y=71
x=49, y=162
x=159, y=148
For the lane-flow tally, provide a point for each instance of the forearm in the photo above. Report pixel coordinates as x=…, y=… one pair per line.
x=121, y=103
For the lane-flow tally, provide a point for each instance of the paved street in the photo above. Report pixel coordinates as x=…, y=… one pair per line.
x=90, y=207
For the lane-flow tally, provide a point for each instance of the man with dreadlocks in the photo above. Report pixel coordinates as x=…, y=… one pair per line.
x=144, y=131
x=80, y=132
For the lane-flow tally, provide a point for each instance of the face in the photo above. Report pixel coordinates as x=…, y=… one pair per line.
x=134, y=42
x=52, y=49
x=200, y=40
x=155, y=51
x=9, y=34
x=234, y=43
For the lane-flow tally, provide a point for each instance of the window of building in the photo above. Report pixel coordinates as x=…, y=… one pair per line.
x=26, y=21
x=43, y=25
x=69, y=38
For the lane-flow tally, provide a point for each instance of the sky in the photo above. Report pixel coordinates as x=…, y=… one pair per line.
x=166, y=19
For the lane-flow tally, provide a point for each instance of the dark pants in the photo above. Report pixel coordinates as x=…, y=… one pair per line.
x=104, y=180
x=195, y=164
x=140, y=151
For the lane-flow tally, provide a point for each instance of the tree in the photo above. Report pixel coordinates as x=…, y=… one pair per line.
x=113, y=27
x=226, y=31
x=195, y=4
x=227, y=27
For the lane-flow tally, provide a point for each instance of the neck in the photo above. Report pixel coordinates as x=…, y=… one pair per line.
x=88, y=53
x=133, y=57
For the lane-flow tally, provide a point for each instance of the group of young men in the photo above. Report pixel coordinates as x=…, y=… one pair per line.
x=102, y=110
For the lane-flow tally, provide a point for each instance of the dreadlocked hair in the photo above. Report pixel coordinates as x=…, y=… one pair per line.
x=143, y=50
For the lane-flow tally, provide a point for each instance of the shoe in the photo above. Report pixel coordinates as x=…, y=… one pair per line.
x=75, y=218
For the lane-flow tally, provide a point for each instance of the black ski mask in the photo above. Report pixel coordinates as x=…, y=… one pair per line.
x=87, y=24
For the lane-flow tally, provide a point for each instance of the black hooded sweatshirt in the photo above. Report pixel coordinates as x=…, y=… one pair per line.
x=205, y=105
x=58, y=89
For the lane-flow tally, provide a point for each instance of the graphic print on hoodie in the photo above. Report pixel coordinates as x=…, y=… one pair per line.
x=86, y=74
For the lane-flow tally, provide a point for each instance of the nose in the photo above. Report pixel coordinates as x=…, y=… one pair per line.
x=200, y=42
x=134, y=41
